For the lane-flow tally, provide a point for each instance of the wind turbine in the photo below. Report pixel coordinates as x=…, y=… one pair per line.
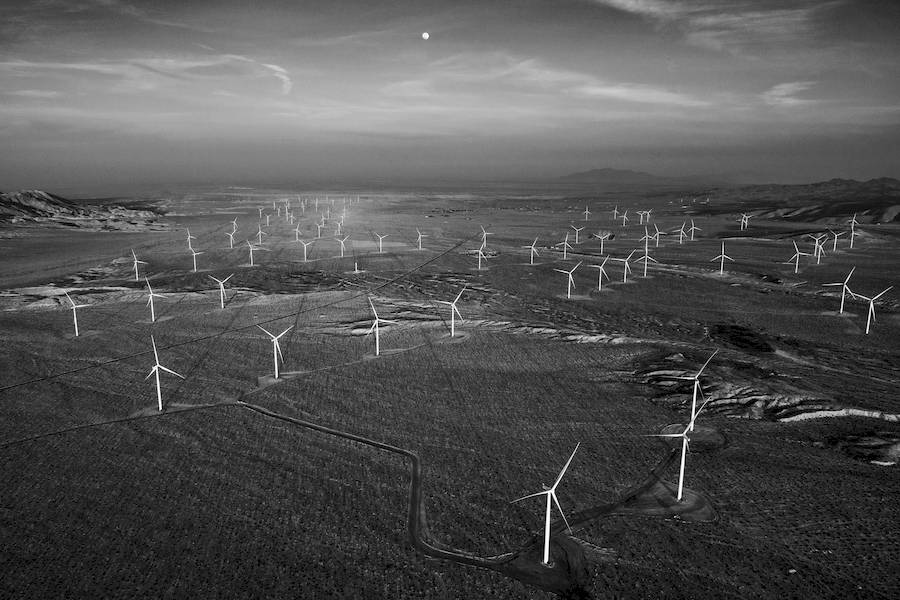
x=844, y=288
x=566, y=246
x=627, y=266
x=722, y=258
x=745, y=221
x=682, y=233
x=419, y=236
x=577, y=230
x=374, y=327
x=150, y=301
x=276, y=347
x=698, y=390
x=260, y=212
x=305, y=246
x=297, y=233
x=656, y=235
x=853, y=223
x=484, y=235
x=136, y=263
x=453, y=311
x=692, y=229
x=534, y=252
x=602, y=237
x=380, y=238
x=587, y=213
x=221, y=283
x=624, y=218
x=480, y=256
x=836, y=236
x=871, y=300
x=819, y=248
x=342, y=240
x=75, y=308
x=195, y=254
x=684, y=448
x=189, y=238
x=551, y=499
x=260, y=232
x=234, y=225
x=155, y=371
x=795, y=258
x=571, y=283
x=601, y=273
x=642, y=214
x=615, y=212
x=646, y=259
x=252, y=248
x=230, y=235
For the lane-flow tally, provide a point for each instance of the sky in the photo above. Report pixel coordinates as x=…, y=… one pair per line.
x=125, y=92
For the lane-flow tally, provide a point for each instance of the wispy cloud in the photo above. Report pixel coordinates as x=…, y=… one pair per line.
x=733, y=25
x=785, y=94
x=36, y=94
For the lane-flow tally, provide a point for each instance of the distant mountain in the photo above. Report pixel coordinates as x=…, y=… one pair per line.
x=39, y=207
x=627, y=177
x=832, y=201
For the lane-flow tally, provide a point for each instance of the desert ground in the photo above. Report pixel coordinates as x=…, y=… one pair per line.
x=359, y=475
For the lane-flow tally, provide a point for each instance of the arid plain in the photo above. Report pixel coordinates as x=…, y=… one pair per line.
x=356, y=475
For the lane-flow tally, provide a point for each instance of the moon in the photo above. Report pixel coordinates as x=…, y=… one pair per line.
x=425, y=36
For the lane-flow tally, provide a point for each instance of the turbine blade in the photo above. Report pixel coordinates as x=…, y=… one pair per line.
x=267, y=332
x=561, y=513
x=530, y=496
x=716, y=351
x=563, y=472
x=170, y=371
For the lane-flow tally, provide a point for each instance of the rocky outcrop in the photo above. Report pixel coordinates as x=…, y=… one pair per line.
x=41, y=208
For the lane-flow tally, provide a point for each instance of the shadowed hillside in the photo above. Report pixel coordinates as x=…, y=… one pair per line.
x=38, y=207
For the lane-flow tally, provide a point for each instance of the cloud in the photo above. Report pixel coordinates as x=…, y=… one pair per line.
x=732, y=25
x=784, y=94
x=38, y=94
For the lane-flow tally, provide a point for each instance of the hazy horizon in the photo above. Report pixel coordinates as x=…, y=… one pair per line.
x=101, y=94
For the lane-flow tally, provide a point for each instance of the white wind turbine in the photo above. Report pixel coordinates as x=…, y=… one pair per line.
x=602, y=237
x=692, y=229
x=566, y=246
x=297, y=233
x=189, y=238
x=221, y=283
x=819, y=248
x=342, y=241
x=551, y=499
x=646, y=259
x=627, y=266
x=155, y=371
x=234, y=225
x=454, y=311
x=853, y=223
x=252, y=248
x=615, y=212
x=230, y=235
x=836, y=236
x=577, y=231
x=533, y=248
x=75, y=308
x=260, y=212
x=419, y=236
x=587, y=213
x=871, y=316
x=698, y=390
x=796, y=258
x=571, y=282
x=745, y=221
x=380, y=239
x=194, y=255
x=319, y=227
x=642, y=214
x=260, y=232
x=844, y=288
x=305, y=246
x=276, y=347
x=682, y=233
x=484, y=235
x=601, y=273
x=136, y=263
x=722, y=258
x=624, y=217
x=656, y=235
x=150, y=297
x=684, y=448
x=374, y=328
x=481, y=255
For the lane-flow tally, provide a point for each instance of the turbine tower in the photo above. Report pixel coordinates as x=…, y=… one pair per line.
x=722, y=258
x=871, y=316
x=152, y=295
x=601, y=273
x=375, y=327
x=571, y=282
x=534, y=252
x=380, y=239
x=844, y=288
x=75, y=308
x=136, y=263
x=221, y=283
x=551, y=499
x=419, y=236
x=684, y=448
x=453, y=311
x=276, y=347
x=155, y=371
